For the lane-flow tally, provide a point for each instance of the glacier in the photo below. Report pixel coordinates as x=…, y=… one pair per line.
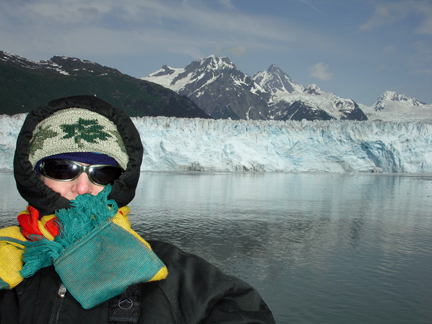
x=182, y=144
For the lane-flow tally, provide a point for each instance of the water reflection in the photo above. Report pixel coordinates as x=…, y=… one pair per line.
x=320, y=248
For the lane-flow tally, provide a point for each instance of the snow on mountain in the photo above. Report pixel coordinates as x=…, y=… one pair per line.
x=392, y=106
x=165, y=77
x=313, y=89
x=217, y=87
x=31, y=65
x=59, y=64
x=222, y=91
x=389, y=97
x=181, y=144
x=336, y=107
x=178, y=78
x=288, y=95
x=275, y=81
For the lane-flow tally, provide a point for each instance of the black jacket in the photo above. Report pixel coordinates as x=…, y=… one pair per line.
x=194, y=291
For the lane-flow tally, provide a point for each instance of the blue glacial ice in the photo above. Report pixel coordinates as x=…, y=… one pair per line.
x=180, y=144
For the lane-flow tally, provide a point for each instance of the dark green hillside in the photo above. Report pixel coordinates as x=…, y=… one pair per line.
x=22, y=89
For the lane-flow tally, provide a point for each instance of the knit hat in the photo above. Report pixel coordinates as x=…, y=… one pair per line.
x=77, y=130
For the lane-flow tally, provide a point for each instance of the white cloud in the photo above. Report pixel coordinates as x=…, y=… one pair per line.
x=389, y=49
x=320, y=71
x=310, y=5
x=192, y=21
x=426, y=25
x=420, y=62
x=227, y=3
x=392, y=12
x=139, y=27
x=238, y=50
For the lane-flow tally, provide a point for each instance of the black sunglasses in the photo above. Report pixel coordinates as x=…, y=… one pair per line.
x=66, y=170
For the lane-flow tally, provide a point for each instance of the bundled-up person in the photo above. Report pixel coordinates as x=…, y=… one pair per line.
x=73, y=257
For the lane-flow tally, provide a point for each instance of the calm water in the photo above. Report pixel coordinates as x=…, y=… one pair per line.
x=320, y=248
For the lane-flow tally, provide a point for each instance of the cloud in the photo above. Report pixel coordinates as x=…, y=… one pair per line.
x=91, y=29
x=89, y=12
x=389, y=49
x=187, y=18
x=108, y=30
x=393, y=12
x=238, y=50
x=227, y=3
x=426, y=26
x=320, y=71
x=310, y=5
x=420, y=62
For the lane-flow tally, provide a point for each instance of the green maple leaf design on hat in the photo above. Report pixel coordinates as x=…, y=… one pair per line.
x=85, y=130
x=119, y=140
x=38, y=140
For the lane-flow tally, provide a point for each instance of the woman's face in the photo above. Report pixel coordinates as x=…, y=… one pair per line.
x=71, y=189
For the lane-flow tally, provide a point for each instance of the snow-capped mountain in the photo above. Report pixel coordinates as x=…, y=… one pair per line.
x=222, y=91
x=217, y=87
x=275, y=81
x=392, y=106
x=389, y=98
x=291, y=100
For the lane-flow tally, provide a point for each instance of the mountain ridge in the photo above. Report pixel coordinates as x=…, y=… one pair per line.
x=211, y=87
x=25, y=84
x=222, y=91
x=272, y=94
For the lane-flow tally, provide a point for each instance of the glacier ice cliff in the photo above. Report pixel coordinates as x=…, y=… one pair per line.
x=180, y=144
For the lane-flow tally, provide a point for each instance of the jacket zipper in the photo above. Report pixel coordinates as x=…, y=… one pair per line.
x=55, y=314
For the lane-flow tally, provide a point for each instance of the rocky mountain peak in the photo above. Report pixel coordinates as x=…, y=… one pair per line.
x=59, y=65
x=390, y=97
x=18, y=61
x=274, y=80
x=313, y=89
x=166, y=70
x=27, y=84
x=273, y=69
x=219, y=88
x=205, y=68
x=218, y=63
x=222, y=91
x=75, y=66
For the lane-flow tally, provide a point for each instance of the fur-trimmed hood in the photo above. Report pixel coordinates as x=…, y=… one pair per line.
x=43, y=198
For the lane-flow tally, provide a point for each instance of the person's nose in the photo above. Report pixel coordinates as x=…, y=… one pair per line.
x=83, y=184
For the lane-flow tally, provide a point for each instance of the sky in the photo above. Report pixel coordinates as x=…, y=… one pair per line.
x=357, y=49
